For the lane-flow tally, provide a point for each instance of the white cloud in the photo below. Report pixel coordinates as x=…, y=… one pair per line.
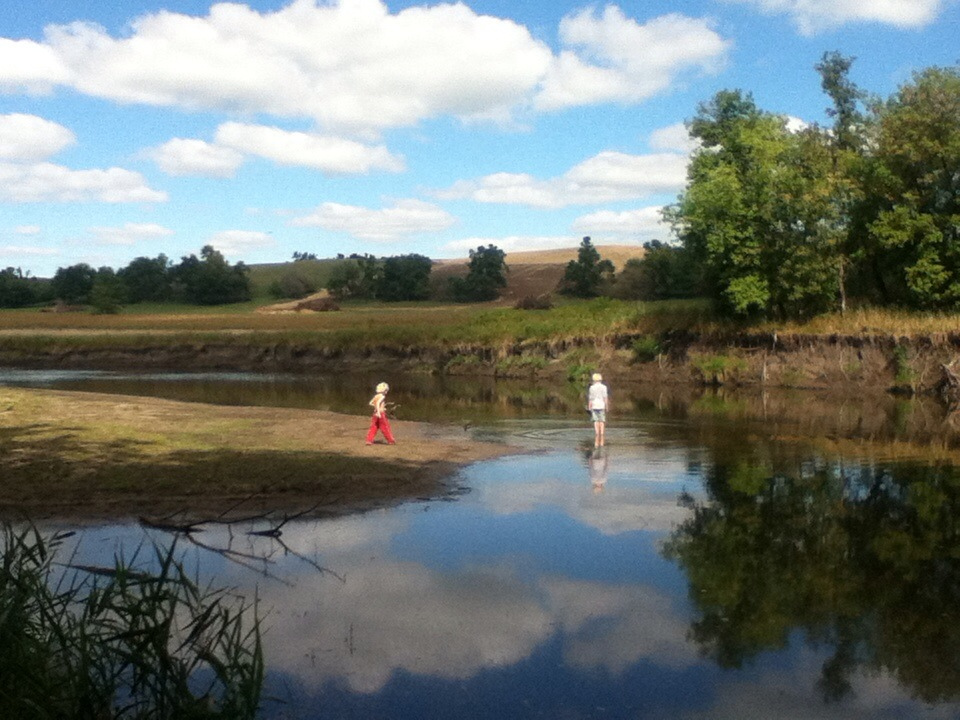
x=673, y=138
x=354, y=66
x=45, y=182
x=31, y=66
x=405, y=217
x=182, y=156
x=616, y=59
x=239, y=242
x=512, y=243
x=795, y=124
x=607, y=177
x=17, y=250
x=28, y=138
x=640, y=224
x=325, y=153
x=130, y=233
x=812, y=16
x=27, y=230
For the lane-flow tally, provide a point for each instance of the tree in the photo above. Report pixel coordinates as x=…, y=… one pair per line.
x=355, y=277
x=405, y=277
x=664, y=272
x=299, y=256
x=912, y=188
x=108, y=293
x=756, y=211
x=73, y=284
x=211, y=280
x=147, y=279
x=486, y=276
x=17, y=290
x=585, y=276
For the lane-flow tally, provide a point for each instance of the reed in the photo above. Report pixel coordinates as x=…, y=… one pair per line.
x=120, y=641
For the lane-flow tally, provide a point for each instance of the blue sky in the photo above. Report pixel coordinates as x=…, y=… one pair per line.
x=146, y=126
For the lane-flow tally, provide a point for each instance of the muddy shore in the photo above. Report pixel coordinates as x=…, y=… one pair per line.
x=91, y=455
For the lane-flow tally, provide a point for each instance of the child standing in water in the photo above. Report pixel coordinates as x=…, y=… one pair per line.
x=598, y=402
x=379, y=420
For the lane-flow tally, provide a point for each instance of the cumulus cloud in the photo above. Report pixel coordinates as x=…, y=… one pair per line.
x=613, y=58
x=129, y=233
x=812, y=16
x=607, y=177
x=674, y=138
x=30, y=66
x=45, y=182
x=325, y=153
x=640, y=224
x=27, y=230
x=352, y=65
x=182, y=156
x=239, y=242
x=405, y=217
x=28, y=138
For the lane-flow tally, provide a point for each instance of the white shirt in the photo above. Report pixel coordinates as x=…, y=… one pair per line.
x=597, y=397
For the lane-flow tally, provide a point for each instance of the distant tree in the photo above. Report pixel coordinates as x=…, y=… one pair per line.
x=405, y=277
x=486, y=276
x=664, y=272
x=292, y=284
x=355, y=277
x=147, y=279
x=17, y=290
x=298, y=256
x=585, y=276
x=73, y=284
x=109, y=292
x=211, y=280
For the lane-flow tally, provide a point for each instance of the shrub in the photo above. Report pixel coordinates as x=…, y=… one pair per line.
x=645, y=349
x=534, y=302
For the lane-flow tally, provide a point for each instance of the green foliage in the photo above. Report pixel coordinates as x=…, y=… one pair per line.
x=18, y=290
x=73, y=284
x=716, y=369
x=121, y=641
x=405, y=277
x=147, y=279
x=211, y=280
x=355, y=277
x=903, y=370
x=109, y=292
x=292, y=284
x=645, y=348
x=485, y=278
x=586, y=276
x=664, y=272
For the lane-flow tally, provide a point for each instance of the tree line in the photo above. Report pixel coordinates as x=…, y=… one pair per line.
x=786, y=223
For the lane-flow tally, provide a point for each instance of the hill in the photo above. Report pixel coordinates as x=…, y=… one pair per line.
x=535, y=272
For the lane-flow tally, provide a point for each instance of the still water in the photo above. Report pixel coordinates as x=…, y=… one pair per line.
x=723, y=557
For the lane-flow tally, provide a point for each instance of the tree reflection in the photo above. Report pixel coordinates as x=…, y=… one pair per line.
x=862, y=559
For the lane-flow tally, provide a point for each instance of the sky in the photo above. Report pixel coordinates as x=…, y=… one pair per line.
x=132, y=128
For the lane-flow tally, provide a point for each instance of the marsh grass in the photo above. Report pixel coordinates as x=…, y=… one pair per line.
x=135, y=640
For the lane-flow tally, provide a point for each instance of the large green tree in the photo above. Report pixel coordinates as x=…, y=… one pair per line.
x=912, y=193
x=211, y=279
x=73, y=284
x=405, y=277
x=757, y=211
x=147, y=279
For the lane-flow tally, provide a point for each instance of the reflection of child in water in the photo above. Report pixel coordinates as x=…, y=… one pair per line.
x=597, y=465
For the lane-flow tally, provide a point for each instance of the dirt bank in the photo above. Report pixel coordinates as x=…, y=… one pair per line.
x=89, y=454
x=876, y=361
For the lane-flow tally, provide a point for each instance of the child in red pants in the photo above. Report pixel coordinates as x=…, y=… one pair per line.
x=379, y=420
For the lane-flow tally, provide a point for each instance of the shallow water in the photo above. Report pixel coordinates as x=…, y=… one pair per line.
x=716, y=560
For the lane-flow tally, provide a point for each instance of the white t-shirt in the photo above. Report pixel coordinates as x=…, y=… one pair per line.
x=597, y=397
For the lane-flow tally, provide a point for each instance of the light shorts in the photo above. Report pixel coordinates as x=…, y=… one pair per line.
x=599, y=415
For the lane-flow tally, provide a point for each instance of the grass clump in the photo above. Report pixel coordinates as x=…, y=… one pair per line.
x=645, y=349
x=120, y=642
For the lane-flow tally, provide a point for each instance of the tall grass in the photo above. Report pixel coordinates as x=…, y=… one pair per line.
x=119, y=642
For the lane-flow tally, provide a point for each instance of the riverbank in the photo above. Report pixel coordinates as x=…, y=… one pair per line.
x=92, y=455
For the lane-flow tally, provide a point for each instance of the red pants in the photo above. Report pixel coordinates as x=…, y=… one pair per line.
x=383, y=425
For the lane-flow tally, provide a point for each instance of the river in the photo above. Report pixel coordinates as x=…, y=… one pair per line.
x=724, y=556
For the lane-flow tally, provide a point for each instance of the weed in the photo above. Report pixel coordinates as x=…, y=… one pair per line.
x=715, y=368
x=903, y=371
x=645, y=349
